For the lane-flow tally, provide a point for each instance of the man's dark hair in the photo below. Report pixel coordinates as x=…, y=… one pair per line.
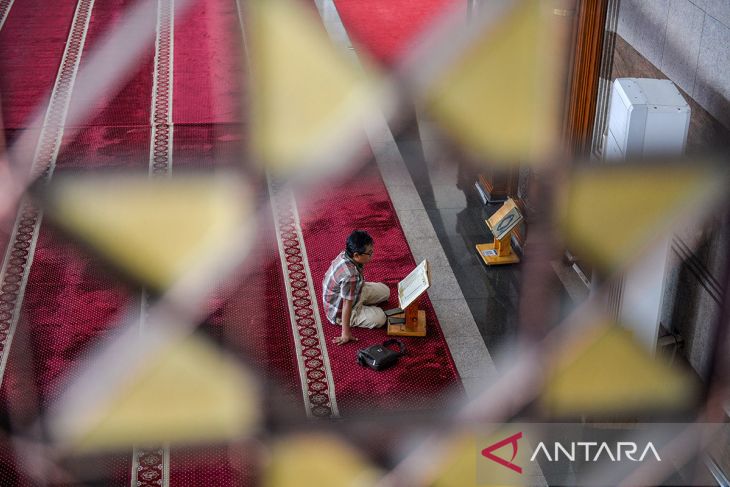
x=358, y=242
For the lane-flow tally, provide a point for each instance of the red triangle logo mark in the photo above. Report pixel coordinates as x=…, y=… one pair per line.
x=487, y=452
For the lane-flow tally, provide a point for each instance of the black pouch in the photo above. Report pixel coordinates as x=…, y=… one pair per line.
x=379, y=357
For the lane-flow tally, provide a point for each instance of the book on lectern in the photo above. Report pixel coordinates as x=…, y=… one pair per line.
x=414, y=284
x=505, y=219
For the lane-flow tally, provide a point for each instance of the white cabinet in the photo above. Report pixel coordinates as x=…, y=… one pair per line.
x=646, y=117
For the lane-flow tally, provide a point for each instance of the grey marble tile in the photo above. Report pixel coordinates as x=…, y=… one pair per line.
x=719, y=252
x=643, y=24
x=699, y=4
x=497, y=322
x=475, y=283
x=427, y=128
x=444, y=285
x=394, y=175
x=690, y=304
x=471, y=357
x=575, y=288
x=448, y=196
x=404, y=197
x=455, y=318
x=712, y=83
x=385, y=150
x=434, y=148
x=682, y=44
x=461, y=222
x=442, y=169
x=416, y=224
x=701, y=340
x=428, y=248
x=474, y=386
x=719, y=9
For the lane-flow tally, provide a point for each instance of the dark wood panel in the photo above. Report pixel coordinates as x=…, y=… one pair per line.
x=580, y=109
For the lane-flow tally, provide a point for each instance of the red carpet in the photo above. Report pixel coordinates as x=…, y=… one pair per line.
x=71, y=301
x=426, y=377
x=255, y=320
x=388, y=28
x=31, y=45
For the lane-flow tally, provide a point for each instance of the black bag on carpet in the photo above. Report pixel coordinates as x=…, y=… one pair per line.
x=379, y=357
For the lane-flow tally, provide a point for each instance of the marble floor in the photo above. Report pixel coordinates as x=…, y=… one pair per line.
x=458, y=216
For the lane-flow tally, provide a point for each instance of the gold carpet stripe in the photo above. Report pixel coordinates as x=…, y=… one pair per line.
x=286, y=214
x=21, y=248
x=157, y=460
x=5, y=6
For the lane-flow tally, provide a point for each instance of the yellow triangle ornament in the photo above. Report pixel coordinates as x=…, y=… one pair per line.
x=317, y=459
x=499, y=98
x=606, y=372
x=610, y=214
x=307, y=97
x=188, y=393
x=156, y=230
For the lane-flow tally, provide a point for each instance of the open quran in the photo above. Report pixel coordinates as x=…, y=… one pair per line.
x=411, y=321
x=414, y=284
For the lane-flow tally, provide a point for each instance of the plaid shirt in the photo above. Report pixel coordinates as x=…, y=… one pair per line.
x=343, y=280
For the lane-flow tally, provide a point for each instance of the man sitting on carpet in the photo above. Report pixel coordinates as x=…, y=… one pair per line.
x=346, y=296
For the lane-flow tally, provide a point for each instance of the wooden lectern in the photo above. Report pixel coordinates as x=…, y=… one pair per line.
x=410, y=290
x=501, y=224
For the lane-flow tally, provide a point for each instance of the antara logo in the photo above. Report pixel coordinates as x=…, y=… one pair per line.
x=602, y=450
x=591, y=451
x=487, y=452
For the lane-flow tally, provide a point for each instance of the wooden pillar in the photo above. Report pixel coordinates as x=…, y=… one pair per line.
x=583, y=76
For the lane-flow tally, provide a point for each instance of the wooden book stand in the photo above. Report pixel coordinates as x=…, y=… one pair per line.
x=498, y=252
x=502, y=225
x=415, y=324
x=410, y=291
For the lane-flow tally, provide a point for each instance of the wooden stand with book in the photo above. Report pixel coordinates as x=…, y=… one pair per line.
x=409, y=320
x=501, y=224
